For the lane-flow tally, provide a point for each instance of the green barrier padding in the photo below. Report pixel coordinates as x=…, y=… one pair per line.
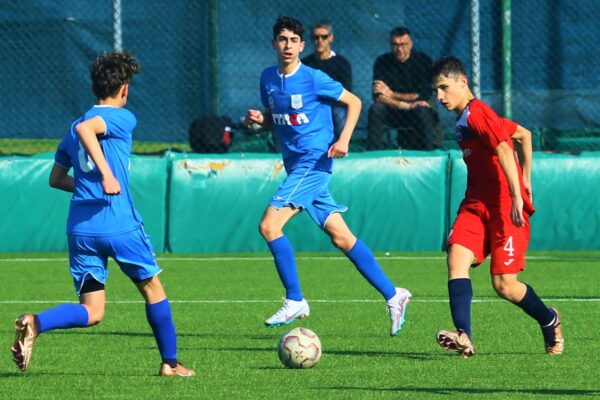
x=148, y=180
x=457, y=184
x=565, y=195
x=35, y=215
x=397, y=202
x=567, y=202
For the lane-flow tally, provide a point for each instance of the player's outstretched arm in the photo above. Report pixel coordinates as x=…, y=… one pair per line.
x=506, y=158
x=88, y=132
x=60, y=178
x=341, y=147
x=522, y=138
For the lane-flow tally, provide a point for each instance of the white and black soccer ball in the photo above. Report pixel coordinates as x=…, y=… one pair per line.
x=299, y=348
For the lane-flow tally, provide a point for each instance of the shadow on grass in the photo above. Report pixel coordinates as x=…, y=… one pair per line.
x=11, y=374
x=84, y=331
x=407, y=355
x=33, y=374
x=454, y=391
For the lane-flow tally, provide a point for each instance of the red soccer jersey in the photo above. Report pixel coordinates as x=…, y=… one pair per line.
x=479, y=130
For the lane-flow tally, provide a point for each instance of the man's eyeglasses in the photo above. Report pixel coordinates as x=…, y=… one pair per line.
x=322, y=37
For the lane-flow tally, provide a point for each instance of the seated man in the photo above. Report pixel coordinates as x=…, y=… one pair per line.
x=401, y=90
x=334, y=65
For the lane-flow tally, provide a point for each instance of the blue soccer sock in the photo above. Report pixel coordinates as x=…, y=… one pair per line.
x=535, y=308
x=64, y=316
x=160, y=319
x=285, y=262
x=367, y=265
x=460, y=292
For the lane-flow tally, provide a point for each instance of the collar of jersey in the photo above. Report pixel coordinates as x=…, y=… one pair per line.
x=291, y=73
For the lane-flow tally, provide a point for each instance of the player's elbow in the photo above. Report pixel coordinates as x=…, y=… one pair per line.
x=52, y=181
x=55, y=180
x=358, y=101
x=522, y=134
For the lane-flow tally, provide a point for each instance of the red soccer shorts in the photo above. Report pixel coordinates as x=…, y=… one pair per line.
x=488, y=229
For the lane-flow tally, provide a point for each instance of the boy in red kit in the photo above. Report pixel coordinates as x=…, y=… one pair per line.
x=493, y=218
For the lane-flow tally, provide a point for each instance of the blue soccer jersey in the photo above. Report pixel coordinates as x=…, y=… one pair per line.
x=93, y=213
x=300, y=106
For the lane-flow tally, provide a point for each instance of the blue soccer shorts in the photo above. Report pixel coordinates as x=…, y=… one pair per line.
x=307, y=189
x=133, y=252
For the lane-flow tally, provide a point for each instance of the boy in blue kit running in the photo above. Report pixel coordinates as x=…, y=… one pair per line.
x=102, y=220
x=296, y=100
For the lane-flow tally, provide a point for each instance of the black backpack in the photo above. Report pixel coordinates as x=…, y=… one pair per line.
x=211, y=134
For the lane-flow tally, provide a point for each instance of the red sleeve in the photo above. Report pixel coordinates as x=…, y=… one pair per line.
x=492, y=129
x=510, y=127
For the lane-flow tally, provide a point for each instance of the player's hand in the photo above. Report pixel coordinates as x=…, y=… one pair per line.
x=338, y=150
x=516, y=212
x=111, y=185
x=254, y=117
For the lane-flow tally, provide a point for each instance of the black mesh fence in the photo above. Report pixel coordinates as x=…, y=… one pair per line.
x=535, y=61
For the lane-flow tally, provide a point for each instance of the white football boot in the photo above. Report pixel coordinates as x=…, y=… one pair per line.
x=397, y=309
x=288, y=313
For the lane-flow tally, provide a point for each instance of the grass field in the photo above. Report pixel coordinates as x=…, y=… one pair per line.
x=219, y=304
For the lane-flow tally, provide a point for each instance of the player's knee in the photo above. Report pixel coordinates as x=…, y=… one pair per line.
x=342, y=242
x=268, y=230
x=503, y=288
x=95, y=314
x=96, y=319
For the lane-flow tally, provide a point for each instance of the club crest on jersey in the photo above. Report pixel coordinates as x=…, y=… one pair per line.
x=296, y=101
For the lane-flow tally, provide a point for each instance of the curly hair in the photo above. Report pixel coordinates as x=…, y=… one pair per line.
x=110, y=71
x=289, y=23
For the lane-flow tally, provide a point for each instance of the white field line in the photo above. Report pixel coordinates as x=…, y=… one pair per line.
x=264, y=258
x=561, y=300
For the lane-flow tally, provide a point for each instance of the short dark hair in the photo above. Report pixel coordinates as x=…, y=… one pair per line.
x=289, y=23
x=323, y=23
x=399, y=31
x=447, y=66
x=110, y=71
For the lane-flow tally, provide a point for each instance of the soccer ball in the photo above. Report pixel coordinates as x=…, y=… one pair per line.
x=299, y=348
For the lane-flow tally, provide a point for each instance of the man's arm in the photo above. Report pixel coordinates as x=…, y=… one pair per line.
x=506, y=158
x=340, y=148
x=383, y=94
x=87, y=132
x=60, y=178
x=524, y=148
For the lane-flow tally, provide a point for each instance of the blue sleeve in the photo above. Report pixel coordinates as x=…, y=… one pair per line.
x=327, y=87
x=61, y=156
x=263, y=91
x=120, y=123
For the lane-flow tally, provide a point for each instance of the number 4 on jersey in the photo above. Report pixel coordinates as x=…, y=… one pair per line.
x=508, y=247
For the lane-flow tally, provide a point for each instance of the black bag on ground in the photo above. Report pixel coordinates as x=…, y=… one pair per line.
x=211, y=134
